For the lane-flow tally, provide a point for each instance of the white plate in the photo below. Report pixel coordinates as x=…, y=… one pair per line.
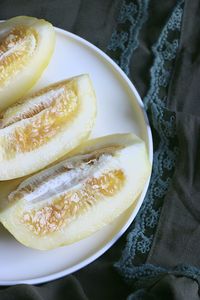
x=120, y=109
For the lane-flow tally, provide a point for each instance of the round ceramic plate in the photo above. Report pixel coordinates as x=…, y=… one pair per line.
x=120, y=110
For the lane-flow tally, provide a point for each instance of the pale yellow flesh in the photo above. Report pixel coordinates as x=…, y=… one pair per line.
x=45, y=126
x=23, y=60
x=129, y=159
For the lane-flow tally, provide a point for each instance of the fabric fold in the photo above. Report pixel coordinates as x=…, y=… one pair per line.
x=177, y=237
x=167, y=287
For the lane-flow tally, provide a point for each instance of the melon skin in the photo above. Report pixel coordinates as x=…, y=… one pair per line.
x=131, y=156
x=58, y=142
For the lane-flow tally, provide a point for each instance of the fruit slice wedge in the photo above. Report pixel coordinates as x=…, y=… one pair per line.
x=77, y=196
x=43, y=127
x=26, y=46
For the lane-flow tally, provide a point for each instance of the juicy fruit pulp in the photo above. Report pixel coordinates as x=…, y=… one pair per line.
x=71, y=204
x=45, y=126
x=78, y=195
x=26, y=47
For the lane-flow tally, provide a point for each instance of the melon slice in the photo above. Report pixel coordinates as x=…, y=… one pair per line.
x=46, y=125
x=78, y=195
x=26, y=47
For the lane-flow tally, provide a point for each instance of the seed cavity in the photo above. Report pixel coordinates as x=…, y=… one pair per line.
x=16, y=49
x=29, y=107
x=39, y=119
x=56, y=196
x=72, y=204
x=63, y=176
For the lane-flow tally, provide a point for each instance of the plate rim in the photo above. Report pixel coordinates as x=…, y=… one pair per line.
x=111, y=242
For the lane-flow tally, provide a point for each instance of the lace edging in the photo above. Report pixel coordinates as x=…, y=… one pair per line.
x=124, y=39
x=140, y=237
